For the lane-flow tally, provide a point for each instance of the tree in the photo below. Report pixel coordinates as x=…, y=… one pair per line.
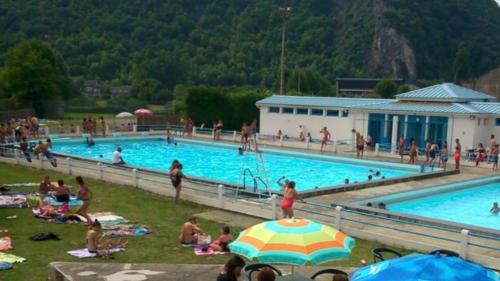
x=403, y=88
x=386, y=88
x=460, y=68
x=35, y=75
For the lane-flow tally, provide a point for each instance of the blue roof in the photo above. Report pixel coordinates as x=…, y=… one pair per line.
x=446, y=92
x=427, y=107
x=486, y=107
x=444, y=98
x=320, y=101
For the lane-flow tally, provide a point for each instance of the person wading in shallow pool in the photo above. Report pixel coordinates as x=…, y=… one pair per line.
x=176, y=176
x=289, y=196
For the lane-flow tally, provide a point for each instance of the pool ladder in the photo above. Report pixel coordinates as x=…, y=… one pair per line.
x=255, y=180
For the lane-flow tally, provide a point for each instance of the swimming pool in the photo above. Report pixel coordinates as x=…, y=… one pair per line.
x=221, y=162
x=467, y=202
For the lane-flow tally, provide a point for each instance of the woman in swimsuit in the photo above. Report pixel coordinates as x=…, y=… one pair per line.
x=458, y=154
x=176, y=176
x=85, y=195
x=96, y=245
x=222, y=242
x=289, y=196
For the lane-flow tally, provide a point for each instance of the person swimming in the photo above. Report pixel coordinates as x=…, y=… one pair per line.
x=370, y=177
x=241, y=151
x=346, y=181
x=495, y=209
x=89, y=141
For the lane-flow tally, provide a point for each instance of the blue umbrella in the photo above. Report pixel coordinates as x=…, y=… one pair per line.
x=419, y=267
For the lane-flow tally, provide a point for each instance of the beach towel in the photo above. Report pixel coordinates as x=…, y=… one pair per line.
x=73, y=201
x=134, y=232
x=13, y=201
x=107, y=219
x=84, y=253
x=207, y=251
x=5, y=265
x=5, y=244
x=10, y=258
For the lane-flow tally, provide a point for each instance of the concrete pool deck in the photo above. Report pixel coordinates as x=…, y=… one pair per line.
x=69, y=271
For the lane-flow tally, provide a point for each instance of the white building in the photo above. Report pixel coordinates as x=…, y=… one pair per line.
x=441, y=112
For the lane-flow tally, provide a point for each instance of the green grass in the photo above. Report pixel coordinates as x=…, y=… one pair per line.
x=164, y=218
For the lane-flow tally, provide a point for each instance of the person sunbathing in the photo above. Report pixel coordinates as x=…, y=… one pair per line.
x=46, y=210
x=222, y=242
x=189, y=232
x=96, y=243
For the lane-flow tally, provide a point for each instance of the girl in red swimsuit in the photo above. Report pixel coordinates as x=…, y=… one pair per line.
x=289, y=196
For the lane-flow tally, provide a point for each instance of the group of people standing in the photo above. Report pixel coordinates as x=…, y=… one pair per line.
x=89, y=126
x=435, y=153
x=15, y=130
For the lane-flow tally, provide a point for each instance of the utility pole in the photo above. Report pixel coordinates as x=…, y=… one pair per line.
x=285, y=13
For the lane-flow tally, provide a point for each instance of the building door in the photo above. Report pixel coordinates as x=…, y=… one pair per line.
x=438, y=129
x=416, y=129
x=376, y=127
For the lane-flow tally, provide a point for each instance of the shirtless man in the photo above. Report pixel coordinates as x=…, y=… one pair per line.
x=358, y=142
x=34, y=127
x=45, y=186
x=189, y=232
x=326, y=137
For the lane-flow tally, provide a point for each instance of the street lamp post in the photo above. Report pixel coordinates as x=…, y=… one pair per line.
x=285, y=13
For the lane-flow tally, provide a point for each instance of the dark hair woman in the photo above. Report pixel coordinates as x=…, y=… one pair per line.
x=232, y=269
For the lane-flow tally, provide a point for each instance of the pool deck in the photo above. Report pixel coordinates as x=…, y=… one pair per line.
x=72, y=271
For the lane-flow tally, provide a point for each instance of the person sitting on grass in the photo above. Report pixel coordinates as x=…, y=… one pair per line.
x=266, y=274
x=97, y=245
x=62, y=192
x=45, y=186
x=190, y=232
x=232, y=269
x=222, y=242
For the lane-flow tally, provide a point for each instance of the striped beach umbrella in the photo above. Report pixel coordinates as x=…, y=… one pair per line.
x=292, y=241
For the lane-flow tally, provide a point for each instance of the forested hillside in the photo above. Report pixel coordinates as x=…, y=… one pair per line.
x=162, y=43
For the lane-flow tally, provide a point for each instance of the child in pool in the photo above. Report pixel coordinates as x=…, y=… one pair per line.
x=495, y=209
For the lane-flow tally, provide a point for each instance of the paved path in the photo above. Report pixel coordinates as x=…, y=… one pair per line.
x=68, y=271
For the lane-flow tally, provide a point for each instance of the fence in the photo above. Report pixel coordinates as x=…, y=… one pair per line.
x=479, y=247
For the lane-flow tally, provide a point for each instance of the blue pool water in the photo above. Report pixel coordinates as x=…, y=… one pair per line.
x=467, y=206
x=222, y=163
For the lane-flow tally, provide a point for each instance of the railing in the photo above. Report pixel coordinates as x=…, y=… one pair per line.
x=347, y=219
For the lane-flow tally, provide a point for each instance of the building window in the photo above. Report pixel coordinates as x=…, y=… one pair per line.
x=345, y=113
x=317, y=112
x=332, y=113
x=287, y=110
x=274, y=109
x=497, y=122
x=303, y=111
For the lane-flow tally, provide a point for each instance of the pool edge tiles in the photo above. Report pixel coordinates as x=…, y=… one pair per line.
x=412, y=172
x=428, y=193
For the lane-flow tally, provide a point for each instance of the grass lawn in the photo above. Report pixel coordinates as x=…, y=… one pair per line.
x=163, y=217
